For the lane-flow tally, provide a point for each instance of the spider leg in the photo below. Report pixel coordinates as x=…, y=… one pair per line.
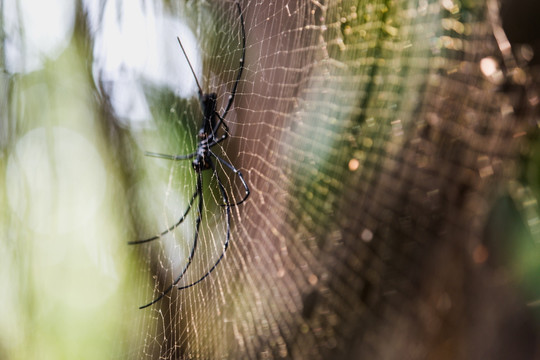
x=215, y=142
x=221, y=122
x=191, y=67
x=237, y=173
x=193, y=247
x=226, y=244
x=171, y=157
x=181, y=220
x=233, y=92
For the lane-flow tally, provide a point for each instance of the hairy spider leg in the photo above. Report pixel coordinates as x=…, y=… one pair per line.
x=226, y=244
x=237, y=173
x=193, y=248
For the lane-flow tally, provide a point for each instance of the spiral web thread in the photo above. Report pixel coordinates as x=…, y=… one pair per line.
x=374, y=145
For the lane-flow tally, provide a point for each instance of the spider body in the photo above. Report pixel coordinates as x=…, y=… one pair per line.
x=203, y=159
x=206, y=134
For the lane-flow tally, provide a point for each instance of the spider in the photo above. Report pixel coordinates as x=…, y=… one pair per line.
x=204, y=159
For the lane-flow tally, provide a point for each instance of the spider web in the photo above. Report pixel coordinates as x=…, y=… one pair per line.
x=376, y=137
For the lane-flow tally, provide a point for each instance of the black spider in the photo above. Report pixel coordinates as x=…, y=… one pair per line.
x=203, y=160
